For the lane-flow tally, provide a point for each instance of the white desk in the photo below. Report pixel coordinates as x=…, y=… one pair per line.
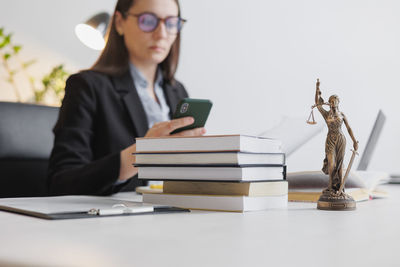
x=298, y=236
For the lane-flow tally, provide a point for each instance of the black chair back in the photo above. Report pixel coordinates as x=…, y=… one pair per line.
x=26, y=140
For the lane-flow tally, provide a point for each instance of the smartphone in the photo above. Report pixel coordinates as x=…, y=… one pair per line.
x=199, y=109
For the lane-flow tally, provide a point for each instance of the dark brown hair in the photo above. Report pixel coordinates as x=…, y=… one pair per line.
x=114, y=59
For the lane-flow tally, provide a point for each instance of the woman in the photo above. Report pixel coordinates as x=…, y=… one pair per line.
x=129, y=92
x=335, y=141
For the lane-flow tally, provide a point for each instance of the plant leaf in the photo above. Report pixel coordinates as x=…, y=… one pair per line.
x=16, y=48
x=6, y=56
x=7, y=38
x=55, y=81
x=6, y=41
x=39, y=95
x=28, y=63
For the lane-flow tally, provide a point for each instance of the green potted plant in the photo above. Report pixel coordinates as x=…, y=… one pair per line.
x=51, y=83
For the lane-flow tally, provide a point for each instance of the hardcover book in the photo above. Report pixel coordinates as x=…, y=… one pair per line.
x=213, y=173
x=243, y=143
x=253, y=189
x=210, y=158
x=217, y=203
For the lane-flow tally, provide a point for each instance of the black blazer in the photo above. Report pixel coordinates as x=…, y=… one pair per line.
x=100, y=116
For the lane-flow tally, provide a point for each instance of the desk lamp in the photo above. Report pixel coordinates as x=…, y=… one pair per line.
x=93, y=31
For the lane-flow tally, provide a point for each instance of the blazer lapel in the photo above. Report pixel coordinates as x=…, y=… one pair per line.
x=125, y=86
x=171, y=96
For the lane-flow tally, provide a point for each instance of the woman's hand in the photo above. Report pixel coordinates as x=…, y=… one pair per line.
x=127, y=170
x=166, y=127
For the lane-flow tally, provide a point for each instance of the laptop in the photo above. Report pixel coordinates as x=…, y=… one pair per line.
x=372, y=141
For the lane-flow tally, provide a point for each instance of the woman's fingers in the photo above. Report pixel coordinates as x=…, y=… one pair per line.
x=179, y=123
x=191, y=132
x=166, y=127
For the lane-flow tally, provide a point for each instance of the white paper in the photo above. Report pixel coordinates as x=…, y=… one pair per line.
x=293, y=132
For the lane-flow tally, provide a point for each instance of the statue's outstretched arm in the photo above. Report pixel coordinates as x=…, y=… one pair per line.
x=319, y=100
x=355, y=142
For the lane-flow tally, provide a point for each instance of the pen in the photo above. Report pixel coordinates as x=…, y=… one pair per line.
x=114, y=211
x=120, y=209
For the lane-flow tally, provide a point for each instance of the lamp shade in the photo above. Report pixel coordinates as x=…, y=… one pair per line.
x=93, y=31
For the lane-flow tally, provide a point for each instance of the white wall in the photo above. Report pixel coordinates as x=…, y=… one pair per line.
x=258, y=60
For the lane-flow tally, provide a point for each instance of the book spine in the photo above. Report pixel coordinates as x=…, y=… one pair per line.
x=208, y=165
x=284, y=172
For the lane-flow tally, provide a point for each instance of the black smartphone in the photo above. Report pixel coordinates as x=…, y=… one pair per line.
x=199, y=109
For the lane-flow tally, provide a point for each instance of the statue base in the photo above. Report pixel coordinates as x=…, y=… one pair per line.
x=330, y=200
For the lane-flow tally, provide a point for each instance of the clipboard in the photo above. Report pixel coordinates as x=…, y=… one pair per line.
x=79, y=207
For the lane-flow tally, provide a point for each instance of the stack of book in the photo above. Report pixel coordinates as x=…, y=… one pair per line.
x=216, y=172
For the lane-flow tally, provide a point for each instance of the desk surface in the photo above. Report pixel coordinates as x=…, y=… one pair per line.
x=298, y=236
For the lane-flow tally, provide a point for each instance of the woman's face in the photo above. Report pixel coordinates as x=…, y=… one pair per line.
x=147, y=48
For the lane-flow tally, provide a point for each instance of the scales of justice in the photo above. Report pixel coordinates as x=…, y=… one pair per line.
x=334, y=196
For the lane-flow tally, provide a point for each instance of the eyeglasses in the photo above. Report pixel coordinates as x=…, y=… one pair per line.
x=148, y=22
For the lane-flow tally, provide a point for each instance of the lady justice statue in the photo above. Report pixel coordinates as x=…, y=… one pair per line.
x=334, y=197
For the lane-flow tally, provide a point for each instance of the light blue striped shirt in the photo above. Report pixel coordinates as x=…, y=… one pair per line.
x=155, y=112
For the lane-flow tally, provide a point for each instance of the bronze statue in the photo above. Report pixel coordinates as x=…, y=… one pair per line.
x=334, y=197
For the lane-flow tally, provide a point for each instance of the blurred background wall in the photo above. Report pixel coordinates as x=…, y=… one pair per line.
x=257, y=60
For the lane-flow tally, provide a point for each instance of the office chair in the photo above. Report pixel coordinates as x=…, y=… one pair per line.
x=26, y=140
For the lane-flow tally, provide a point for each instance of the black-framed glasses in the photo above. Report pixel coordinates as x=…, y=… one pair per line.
x=148, y=22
